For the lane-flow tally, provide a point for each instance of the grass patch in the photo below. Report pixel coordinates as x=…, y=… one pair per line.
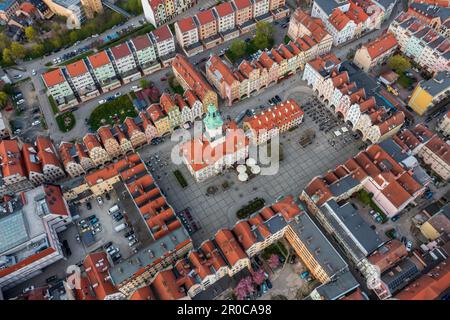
x=48, y=64
x=53, y=104
x=286, y=39
x=112, y=112
x=404, y=81
x=252, y=207
x=146, y=28
x=180, y=178
x=366, y=198
x=66, y=121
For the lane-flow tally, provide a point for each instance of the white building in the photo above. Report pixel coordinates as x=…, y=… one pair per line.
x=124, y=63
x=81, y=80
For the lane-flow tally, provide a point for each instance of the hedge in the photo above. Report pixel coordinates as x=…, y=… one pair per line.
x=252, y=207
x=180, y=178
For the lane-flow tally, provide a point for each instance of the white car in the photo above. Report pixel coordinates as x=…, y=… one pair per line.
x=409, y=246
x=135, y=88
x=17, y=76
x=100, y=200
x=117, y=94
x=102, y=101
x=33, y=72
x=36, y=123
x=20, y=101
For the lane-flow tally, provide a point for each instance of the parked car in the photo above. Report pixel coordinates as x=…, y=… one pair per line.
x=88, y=205
x=77, y=237
x=107, y=245
x=33, y=72
x=102, y=101
x=117, y=94
x=133, y=242
x=17, y=76
x=269, y=284
x=99, y=200
x=409, y=246
x=107, y=196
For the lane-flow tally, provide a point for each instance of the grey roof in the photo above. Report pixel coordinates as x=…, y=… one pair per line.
x=343, y=185
x=159, y=248
x=329, y=5
x=399, y=276
x=434, y=11
x=348, y=223
x=274, y=224
x=438, y=84
x=385, y=3
x=446, y=210
x=338, y=287
x=393, y=149
x=317, y=244
x=13, y=231
x=421, y=176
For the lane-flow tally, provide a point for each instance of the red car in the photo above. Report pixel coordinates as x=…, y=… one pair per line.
x=163, y=79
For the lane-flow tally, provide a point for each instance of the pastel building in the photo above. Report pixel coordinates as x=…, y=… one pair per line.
x=59, y=88
x=124, y=63
x=164, y=43
x=81, y=80
x=186, y=31
x=244, y=14
x=159, y=119
x=145, y=54
x=103, y=71
x=226, y=21
x=376, y=52
x=71, y=164
x=96, y=151
x=207, y=28
x=429, y=93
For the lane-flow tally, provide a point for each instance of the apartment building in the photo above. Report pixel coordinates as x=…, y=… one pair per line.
x=8, y=8
x=145, y=54
x=208, y=28
x=150, y=130
x=235, y=257
x=92, y=7
x=267, y=124
x=186, y=31
x=51, y=166
x=59, y=88
x=226, y=21
x=375, y=52
x=124, y=63
x=430, y=93
x=109, y=142
x=244, y=14
x=444, y=124
x=164, y=43
x=70, y=160
x=81, y=80
x=158, y=12
x=72, y=10
x=171, y=109
x=438, y=17
x=126, y=147
x=96, y=151
x=189, y=78
x=220, y=75
x=103, y=71
x=261, y=10
x=418, y=41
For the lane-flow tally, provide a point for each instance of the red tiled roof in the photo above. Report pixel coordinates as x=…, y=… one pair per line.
x=96, y=266
x=186, y=24
x=381, y=45
x=28, y=8
x=10, y=158
x=155, y=112
x=141, y=42
x=32, y=164
x=244, y=234
x=143, y=293
x=229, y=246
x=99, y=59
x=165, y=286
x=55, y=200
x=440, y=148
x=338, y=19
x=91, y=141
x=205, y=17
x=64, y=152
x=76, y=68
x=241, y=4
x=120, y=51
x=23, y=263
x=162, y=33
x=391, y=253
x=47, y=152
x=104, y=132
x=217, y=65
x=224, y=9
x=53, y=77
x=314, y=25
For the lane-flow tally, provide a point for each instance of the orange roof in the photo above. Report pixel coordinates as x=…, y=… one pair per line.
x=32, y=163
x=389, y=255
x=28, y=8
x=265, y=60
x=276, y=117
x=10, y=158
x=200, y=153
x=55, y=200
x=96, y=266
x=241, y=4
x=213, y=255
x=224, y=9
x=166, y=102
x=120, y=51
x=190, y=97
x=318, y=190
x=287, y=207
x=381, y=45
x=99, y=59
x=429, y=286
x=25, y=262
x=244, y=234
x=131, y=125
x=64, y=152
x=245, y=68
x=105, y=133
x=77, y=68
x=338, y=19
x=440, y=148
x=90, y=141
x=143, y=293
x=229, y=246
x=47, y=152
x=356, y=13
x=162, y=33
x=186, y=24
x=80, y=150
x=319, y=63
x=54, y=77
x=165, y=286
x=216, y=65
x=141, y=42
x=155, y=112
x=314, y=25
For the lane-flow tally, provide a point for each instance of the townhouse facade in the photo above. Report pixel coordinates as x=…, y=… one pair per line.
x=376, y=52
x=164, y=42
x=124, y=63
x=158, y=12
x=145, y=54
x=81, y=80
x=59, y=88
x=103, y=71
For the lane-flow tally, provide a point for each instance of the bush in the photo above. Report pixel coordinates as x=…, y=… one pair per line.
x=53, y=104
x=66, y=121
x=180, y=178
x=252, y=207
x=112, y=112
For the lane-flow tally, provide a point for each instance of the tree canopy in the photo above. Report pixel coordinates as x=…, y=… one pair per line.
x=399, y=63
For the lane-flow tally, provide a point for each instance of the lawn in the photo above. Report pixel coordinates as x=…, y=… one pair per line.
x=366, y=198
x=112, y=112
x=66, y=121
x=53, y=104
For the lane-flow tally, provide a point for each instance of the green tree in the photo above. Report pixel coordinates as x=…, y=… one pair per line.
x=264, y=35
x=237, y=48
x=399, y=63
x=4, y=41
x=73, y=36
x=3, y=99
x=145, y=83
x=56, y=42
x=7, y=56
x=31, y=33
x=37, y=50
x=18, y=50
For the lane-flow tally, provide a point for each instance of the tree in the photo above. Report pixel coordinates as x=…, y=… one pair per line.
x=145, y=84
x=244, y=288
x=264, y=35
x=3, y=99
x=7, y=56
x=237, y=48
x=18, y=50
x=31, y=33
x=399, y=63
x=73, y=36
x=273, y=261
x=4, y=41
x=258, y=277
x=37, y=50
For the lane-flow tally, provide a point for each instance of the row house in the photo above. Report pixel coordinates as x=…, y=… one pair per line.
x=96, y=151
x=110, y=143
x=171, y=109
x=33, y=165
x=103, y=71
x=437, y=17
x=192, y=109
x=133, y=131
x=186, y=32
x=268, y=124
x=71, y=160
x=47, y=154
x=59, y=88
x=124, y=63
x=375, y=52
x=150, y=130
x=164, y=43
x=310, y=33
x=420, y=42
x=261, y=10
x=208, y=28
x=125, y=144
x=220, y=75
x=191, y=79
x=145, y=54
x=159, y=119
x=244, y=15
x=429, y=147
x=158, y=12
x=81, y=80
x=226, y=21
